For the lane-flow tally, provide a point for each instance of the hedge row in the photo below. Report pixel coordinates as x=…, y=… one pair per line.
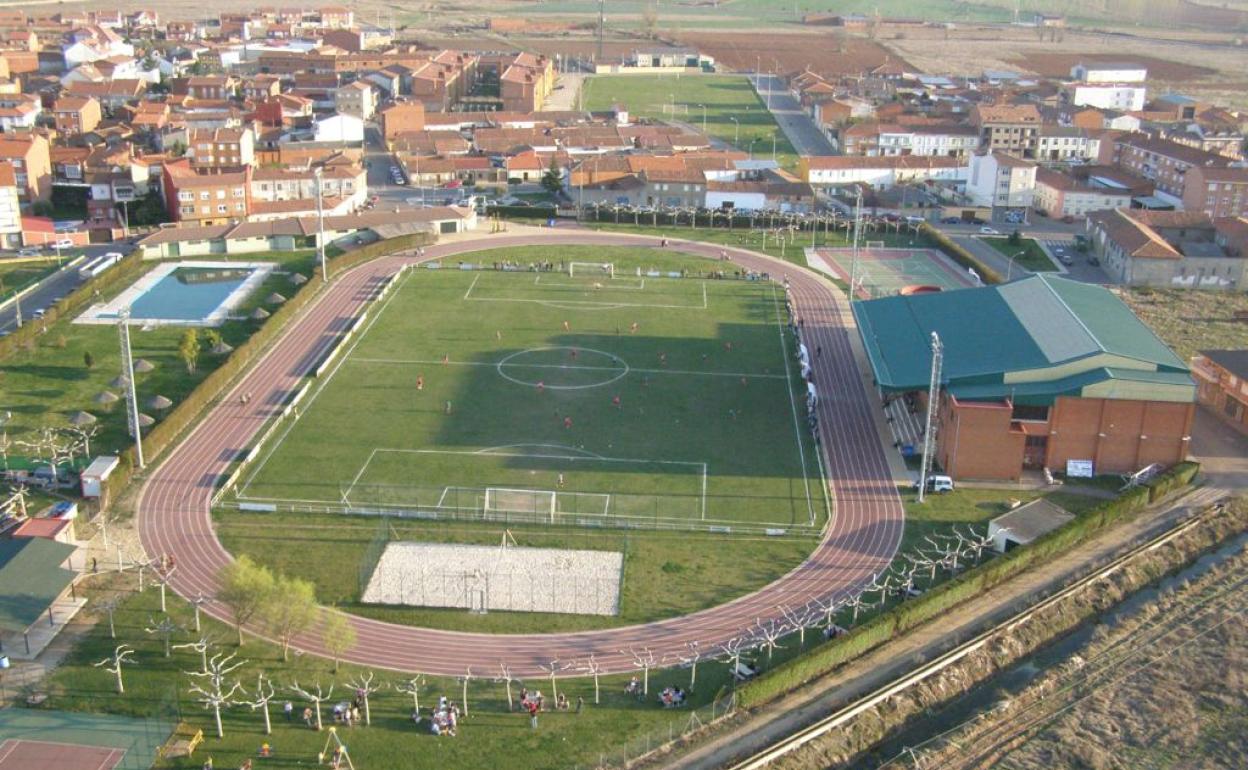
x=125, y=271
x=522, y=212
x=939, y=600
x=959, y=254
x=163, y=435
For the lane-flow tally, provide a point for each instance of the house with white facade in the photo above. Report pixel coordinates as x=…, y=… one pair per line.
x=339, y=128
x=1002, y=182
x=1107, y=86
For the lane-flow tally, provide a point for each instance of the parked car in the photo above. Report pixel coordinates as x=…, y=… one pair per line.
x=951, y=221
x=1094, y=262
x=63, y=243
x=937, y=483
x=989, y=231
x=29, y=251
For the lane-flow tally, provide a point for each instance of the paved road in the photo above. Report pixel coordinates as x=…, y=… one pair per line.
x=567, y=88
x=52, y=288
x=1079, y=271
x=173, y=506
x=796, y=123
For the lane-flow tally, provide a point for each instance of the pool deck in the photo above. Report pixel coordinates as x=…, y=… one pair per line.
x=106, y=312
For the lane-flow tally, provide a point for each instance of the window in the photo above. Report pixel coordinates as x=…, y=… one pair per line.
x=204, y=195
x=186, y=196
x=1030, y=413
x=220, y=194
x=222, y=208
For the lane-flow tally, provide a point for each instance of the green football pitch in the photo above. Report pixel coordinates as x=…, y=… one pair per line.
x=650, y=395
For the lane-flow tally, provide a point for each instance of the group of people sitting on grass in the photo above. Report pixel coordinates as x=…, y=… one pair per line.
x=444, y=719
x=347, y=713
x=671, y=697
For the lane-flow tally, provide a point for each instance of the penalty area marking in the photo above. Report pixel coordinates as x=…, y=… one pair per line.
x=619, y=284
x=586, y=304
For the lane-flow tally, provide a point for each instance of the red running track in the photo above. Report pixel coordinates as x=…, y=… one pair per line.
x=173, y=506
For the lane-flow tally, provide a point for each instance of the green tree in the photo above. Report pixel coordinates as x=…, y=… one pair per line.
x=246, y=588
x=211, y=338
x=188, y=350
x=148, y=210
x=88, y=360
x=290, y=610
x=1015, y=239
x=552, y=180
x=338, y=634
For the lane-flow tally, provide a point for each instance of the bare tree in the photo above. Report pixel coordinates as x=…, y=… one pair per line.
x=552, y=668
x=162, y=579
x=645, y=660
x=802, y=618
x=690, y=658
x=769, y=634
x=315, y=697
x=121, y=656
x=165, y=628
x=109, y=607
x=196, y=603
x=504, y=676
x=412, y=687
x=592, y=667
x=260, y=698
x=731, y=651
x=364, y=687
x=211, y=688
x=464, y=680
x=200, y=645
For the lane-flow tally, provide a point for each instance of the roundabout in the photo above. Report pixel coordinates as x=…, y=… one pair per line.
x=173, y=508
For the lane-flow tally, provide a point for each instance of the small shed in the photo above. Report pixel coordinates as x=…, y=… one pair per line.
x=95, y=474
x=59, y=530
x=1026, y=523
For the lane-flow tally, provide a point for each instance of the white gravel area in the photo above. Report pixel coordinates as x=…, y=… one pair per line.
x=475, y=577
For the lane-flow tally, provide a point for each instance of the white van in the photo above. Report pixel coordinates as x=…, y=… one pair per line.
x=937, y=484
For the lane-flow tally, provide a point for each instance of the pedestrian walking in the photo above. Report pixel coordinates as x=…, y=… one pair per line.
x=420, y=382
x=448, y=407
x=94, y=568
x=580, y=704
x=289, y=710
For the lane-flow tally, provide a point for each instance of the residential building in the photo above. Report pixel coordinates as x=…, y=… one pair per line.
x=357, y=98
x=1218, y=192
x=30, y=157
x=1060, y=144
x=1060, y=195
x=1164, y=163
x=1108, y=87
x=337, y=17
x=18, y=112
x=205, y=199
x=1003, y=182
x=526, y=83
x=880, y=172
x=347, y=129
x=221, y=148
x=10, y=208
x=76, y=114
x=1166, y=249
x=1036, y=373
x=212, y=87
x=1222, y=385
x=1008, y=128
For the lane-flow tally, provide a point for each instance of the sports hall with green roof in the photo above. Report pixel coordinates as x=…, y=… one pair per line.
x=1035, y=373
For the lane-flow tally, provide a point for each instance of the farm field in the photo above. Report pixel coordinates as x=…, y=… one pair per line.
x=1191, y=321
x=727, y=98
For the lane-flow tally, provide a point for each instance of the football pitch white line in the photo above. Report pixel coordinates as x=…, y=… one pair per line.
x=346, y=355
x=797, y=428
x=577, y=304
x=689, y=372
x=639, y=285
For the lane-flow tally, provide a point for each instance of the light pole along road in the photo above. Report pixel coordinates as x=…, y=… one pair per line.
x=174, y=517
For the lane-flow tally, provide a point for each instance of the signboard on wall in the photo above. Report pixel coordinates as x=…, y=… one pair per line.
x=1079, y=469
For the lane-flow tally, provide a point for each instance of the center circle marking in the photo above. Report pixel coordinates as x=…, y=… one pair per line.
x=617, y=374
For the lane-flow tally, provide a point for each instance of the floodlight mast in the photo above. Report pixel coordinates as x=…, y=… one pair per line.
x=933, y=388
x=853, y=263
x=127, y=373
x=320, y=226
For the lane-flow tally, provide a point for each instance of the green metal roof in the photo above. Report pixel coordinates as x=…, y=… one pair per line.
x=31, y=577
x=1169, y=386
x=989, y=333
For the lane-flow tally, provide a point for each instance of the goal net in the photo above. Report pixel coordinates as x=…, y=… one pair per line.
x=873, y=245
x=592, y=269
x=530, y=501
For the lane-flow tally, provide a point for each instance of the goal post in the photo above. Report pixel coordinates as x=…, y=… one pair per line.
x=873, y=245
x=536, y=502
x=592, y=269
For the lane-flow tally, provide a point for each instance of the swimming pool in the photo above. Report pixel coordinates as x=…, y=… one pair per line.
x=184, y=294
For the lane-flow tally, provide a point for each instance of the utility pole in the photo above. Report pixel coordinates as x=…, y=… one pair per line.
x=127, y=374
x=933, y=392
x=853, y=262
x=320, y=225
x=601, y=22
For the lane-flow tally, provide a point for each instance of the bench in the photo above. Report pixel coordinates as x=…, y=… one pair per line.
x=182, y=743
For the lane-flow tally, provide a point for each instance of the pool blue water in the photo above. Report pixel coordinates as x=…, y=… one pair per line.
x=188, y=293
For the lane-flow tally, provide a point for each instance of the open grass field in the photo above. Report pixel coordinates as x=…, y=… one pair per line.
x=544, y=397
x=1032, y=256
x=44, y=385
x=17, y=275
x=726, y=97
x=1190, y=321
x=489, y=734
x=666, y=574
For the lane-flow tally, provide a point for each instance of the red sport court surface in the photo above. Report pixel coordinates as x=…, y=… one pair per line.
x=44, y=755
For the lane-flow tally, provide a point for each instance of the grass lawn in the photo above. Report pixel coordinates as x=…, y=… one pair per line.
x=1189, y=320
x=726, y=97
x=43, y=386
x=17, y=275
x=489, y=735
x=666, y=574
x=1032, y=258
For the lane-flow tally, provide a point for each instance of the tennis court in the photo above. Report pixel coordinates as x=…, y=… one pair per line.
x=883, y=272
x=35, y=739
